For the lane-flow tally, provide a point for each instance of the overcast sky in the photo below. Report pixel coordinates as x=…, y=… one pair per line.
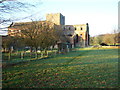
x=101, y=15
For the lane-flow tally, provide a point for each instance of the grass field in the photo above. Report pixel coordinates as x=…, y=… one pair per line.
x=81, y=68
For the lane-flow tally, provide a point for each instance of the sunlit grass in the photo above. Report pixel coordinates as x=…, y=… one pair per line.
x=83, y=68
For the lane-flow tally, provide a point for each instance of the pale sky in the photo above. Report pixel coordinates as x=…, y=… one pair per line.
x=101, y=15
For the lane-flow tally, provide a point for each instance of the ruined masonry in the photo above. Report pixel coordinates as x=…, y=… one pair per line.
x=78, y=34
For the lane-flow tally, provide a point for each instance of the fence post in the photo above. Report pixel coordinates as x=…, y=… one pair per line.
x=21, y=55
x=55, y=52
x=17, y=52
x=9, y=55
x=41, y=54
x=47, y=53
x=36, y=55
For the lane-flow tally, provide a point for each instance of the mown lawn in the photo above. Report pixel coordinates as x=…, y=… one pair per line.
x=83, y=68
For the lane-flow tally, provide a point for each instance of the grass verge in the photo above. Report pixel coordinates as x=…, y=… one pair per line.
x=82, y=68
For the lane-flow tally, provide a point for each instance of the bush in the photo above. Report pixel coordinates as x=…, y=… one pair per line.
x=103, y=44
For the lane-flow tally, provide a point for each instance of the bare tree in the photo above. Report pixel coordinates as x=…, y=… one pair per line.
x=97, y=40
x=7, y=43
x=115, y=36
x=38, y=34
x=9, y=7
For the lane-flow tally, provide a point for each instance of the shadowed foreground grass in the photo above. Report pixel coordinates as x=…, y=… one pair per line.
x=83, y=68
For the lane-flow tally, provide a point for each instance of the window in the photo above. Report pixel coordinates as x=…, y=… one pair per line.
x=75, y=28
x=81, y=28
x=69, y=28
x=77, y=38
x=64, y=28
x=80, y=35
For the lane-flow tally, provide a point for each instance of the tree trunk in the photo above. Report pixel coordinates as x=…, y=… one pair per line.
x=9, y=54
x=45, y=51
x=36, y=55
x=31, y=52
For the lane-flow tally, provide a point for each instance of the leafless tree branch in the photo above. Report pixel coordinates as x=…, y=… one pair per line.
x=8, y=7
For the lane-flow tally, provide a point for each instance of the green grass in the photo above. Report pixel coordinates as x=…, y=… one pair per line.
x=83, y=68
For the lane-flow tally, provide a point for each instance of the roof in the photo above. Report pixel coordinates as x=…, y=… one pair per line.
x=17, y=24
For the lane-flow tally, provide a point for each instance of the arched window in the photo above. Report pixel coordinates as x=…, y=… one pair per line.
x=75, y=28
x=77, y=38
x=64, y=28
x=69, y=28
x=80, y=35
x=81, y=28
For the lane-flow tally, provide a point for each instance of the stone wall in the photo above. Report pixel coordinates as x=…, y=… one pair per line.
x=56, y=18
